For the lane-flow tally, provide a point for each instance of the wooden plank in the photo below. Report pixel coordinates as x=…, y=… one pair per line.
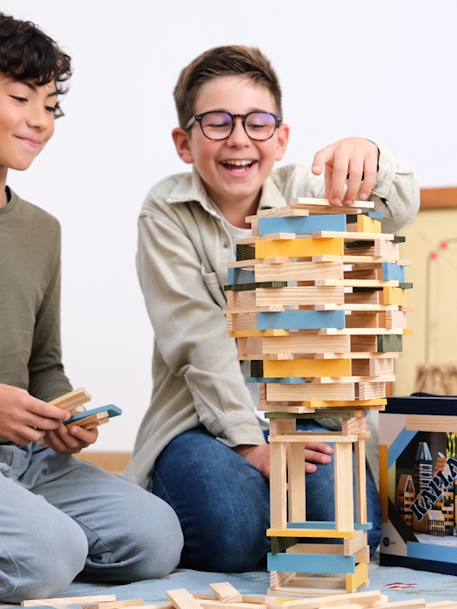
x=298, y=271
x=306, y=343
x=225, y=592
x=302, y=225
x=301, y=295
x=340, y=391
x=312, y=563
x=302, y=320
x=72, y=400
x=344, y=498
x=361, y=481
x=307, y=368
x=68, y=600
x=369, y=391
x=303, y=437
x=349, y=236
x=312, y=202
x=114, y=604
x=278, y=486
x=296, y=482
x=182, y=599
x=282, y=212
x=357, y=283
x=298, y=248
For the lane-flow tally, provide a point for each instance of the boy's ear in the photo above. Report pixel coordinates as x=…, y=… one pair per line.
x=181, y=139
x=282, y=141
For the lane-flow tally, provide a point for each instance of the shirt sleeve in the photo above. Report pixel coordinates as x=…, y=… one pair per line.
x=47, y=379
x=190, y=328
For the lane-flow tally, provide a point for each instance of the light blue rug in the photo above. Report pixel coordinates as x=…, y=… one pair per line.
x=397, y=583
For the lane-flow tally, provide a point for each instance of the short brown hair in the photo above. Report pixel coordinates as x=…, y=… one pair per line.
x=223, y=61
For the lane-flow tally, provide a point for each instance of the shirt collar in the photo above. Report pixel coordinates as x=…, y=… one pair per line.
x=190, y=187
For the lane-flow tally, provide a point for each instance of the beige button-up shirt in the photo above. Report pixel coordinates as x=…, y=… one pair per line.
x=183, y=251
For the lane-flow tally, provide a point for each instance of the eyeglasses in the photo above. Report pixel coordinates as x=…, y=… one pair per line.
x=218, y=125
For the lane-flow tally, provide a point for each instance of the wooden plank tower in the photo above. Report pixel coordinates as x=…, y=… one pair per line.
x=316, y=300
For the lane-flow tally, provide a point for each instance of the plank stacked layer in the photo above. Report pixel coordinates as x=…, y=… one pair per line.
x=316, y=301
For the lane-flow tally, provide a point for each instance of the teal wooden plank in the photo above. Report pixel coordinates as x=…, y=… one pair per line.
x=240, y=276
x=310, y=563
x=301, y=320
x=302, y=225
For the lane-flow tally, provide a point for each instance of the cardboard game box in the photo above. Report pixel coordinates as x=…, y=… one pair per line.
x=418, y=483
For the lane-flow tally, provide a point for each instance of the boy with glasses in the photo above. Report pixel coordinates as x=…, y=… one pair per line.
x=58, y=516
x=201, y=445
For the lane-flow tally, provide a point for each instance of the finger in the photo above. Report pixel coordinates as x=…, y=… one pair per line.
x=43, y=409
x=320, y=159
x=64, y=435
x=84, y=436
x=355, y=180
x=323, y=447
x=27, y=435
x=340, y=170
x=313, y=456
x=370, y=172
x=54, y=442
x=310, y=468
x=328, y=181
x=41, y=423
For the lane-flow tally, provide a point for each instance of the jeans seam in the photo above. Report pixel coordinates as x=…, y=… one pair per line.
x=102, y=542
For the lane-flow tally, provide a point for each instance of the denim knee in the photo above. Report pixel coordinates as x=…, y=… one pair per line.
x=46, y=565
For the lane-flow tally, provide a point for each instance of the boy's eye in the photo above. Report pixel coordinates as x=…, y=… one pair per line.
x=19, y=98
x=52, y=109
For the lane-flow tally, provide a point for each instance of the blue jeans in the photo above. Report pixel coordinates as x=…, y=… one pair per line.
x=223, y=502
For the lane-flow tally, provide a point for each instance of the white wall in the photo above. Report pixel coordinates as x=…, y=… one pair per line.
x=385, y=70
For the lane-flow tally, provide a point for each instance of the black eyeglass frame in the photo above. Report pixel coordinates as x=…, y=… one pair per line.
x=199, y=117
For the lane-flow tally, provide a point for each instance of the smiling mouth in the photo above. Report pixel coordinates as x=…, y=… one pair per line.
x=238, y=164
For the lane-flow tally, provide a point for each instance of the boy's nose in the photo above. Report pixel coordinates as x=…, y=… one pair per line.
x=238, y=137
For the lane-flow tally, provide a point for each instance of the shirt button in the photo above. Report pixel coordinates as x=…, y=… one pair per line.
x=226, y=244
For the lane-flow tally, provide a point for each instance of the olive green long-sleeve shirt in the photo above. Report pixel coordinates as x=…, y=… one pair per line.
x=30, y=351
x=183, y=252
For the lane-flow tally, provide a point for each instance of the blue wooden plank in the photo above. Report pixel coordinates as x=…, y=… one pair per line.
x=375, y=215
x=302, y=225
x=310, y=563
x=239, y=276
x=110, y=409
x=301, y=320
x=326, y=524
x=393, y=272
x=283, y=381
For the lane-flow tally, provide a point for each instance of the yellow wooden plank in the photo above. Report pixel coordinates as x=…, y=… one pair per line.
x=307, y=367
x=298, y=248
x=250, y=333
x=358, y=578
x=394, y=296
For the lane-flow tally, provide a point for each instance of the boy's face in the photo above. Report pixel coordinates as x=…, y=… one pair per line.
x=26, y=121
x=233, y=169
